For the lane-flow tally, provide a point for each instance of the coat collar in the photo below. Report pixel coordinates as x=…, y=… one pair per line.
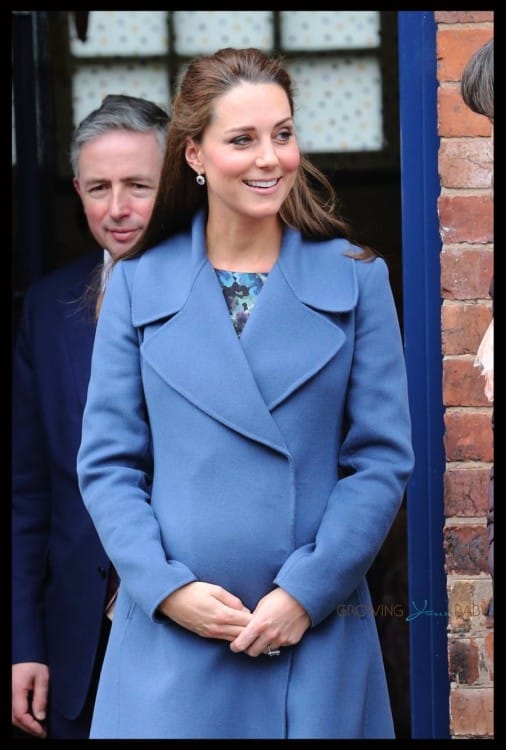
x=319, y=273
x=193, y=345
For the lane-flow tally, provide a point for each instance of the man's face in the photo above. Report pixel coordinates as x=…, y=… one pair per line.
x=117, y=181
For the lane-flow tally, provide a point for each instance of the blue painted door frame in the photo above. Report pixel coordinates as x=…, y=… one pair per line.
x=421, y=245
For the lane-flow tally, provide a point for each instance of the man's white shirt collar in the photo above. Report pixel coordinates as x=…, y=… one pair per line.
x=106, y=269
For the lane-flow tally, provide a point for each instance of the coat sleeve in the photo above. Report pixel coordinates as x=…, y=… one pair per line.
x=31, y=492
x=114, y=461
x=375, y=462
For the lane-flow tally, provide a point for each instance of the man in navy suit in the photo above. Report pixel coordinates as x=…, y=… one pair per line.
x=61, y=575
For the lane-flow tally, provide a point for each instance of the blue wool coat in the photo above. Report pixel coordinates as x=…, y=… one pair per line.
x=276, y=459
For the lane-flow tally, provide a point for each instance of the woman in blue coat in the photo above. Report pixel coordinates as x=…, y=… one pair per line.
x=246, y=439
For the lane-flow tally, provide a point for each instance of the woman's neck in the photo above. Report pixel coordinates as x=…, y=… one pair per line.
x=250, y=248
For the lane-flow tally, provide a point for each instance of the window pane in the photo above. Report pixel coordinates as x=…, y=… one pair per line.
x=91, y=83
x=338, y=104
x=120, y=32
x=339, y=99
x=200, y=31
x=318, y=29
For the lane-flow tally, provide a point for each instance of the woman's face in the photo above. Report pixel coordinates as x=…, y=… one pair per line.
x=249, y=153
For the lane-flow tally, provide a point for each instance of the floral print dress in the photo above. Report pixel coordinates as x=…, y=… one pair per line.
x=240, y=291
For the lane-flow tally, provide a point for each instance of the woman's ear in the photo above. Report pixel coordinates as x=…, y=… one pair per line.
x=192, y=156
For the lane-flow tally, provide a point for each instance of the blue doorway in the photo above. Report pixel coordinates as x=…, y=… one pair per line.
x=429, y=681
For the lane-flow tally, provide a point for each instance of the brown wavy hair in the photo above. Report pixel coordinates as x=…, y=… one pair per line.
x=310, y=207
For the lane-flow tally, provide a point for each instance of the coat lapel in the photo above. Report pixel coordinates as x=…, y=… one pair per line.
x=287, y=323
x=193, y=345
x=285, y=341
x=198, y=354
x=79, y=329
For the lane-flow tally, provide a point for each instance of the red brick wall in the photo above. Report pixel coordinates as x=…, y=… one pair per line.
x=466, y=227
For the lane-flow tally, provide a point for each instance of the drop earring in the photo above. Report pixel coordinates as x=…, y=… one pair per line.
x=201, y=180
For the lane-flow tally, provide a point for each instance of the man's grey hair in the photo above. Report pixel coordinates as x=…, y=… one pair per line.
x=477, y=86
x=119, y=112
